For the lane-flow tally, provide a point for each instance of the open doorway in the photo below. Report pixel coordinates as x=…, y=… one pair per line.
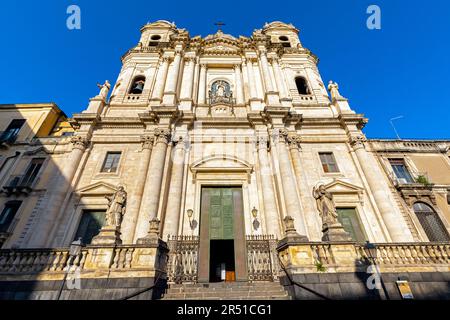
x=222, y=264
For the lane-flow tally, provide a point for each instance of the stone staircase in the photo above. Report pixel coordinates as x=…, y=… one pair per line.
x=227, y=291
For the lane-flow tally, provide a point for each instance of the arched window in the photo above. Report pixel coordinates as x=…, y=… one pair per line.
x=431, y=223
x=285, y=41
x=154, y=40
x=138, y=85
x=302, y=86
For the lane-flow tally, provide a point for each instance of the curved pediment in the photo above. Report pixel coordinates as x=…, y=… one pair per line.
x=222, y=162
x=220, y=165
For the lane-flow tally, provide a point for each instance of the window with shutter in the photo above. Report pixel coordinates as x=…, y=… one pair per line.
x=329, y=164
x=111, y=163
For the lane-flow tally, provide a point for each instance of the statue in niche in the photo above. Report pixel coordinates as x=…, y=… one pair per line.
x=116, y=208
x=325, y=205
x=221, y=92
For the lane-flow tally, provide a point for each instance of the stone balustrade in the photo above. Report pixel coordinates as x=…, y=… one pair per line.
x=140, y=260
x=351, y=257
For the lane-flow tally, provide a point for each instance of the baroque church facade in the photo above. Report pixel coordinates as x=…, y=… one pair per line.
x=225, y=159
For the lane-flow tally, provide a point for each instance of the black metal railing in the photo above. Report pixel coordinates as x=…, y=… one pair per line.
x=19, y=184
x=8, y=137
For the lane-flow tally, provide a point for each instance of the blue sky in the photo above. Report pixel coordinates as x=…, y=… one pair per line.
x=401, y=70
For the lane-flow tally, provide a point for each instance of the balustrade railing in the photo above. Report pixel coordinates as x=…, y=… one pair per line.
x=37, y=261
x=407, y=254
x=182, y=266
x=262, y=259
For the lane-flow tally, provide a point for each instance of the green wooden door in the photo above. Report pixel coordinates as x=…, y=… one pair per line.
x=222, y=218
x=221, y=209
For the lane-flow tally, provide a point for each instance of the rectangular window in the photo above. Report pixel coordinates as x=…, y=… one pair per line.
x=349, y=219
x=32, y=171
x=8, y=214
x=90, y=225
x=12, y=131
x=329, y=164
x=111, y=162
x=401, y=171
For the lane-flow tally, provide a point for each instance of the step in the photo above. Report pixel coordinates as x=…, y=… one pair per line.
x=237, y=289
x=226, y=294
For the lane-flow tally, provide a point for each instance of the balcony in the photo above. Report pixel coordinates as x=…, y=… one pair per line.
x=418, y=179
x=18, y=185
x=7, y=139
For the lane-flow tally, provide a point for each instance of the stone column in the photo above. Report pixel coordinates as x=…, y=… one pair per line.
x=152, y=190
x=289, y=184
x=172, y=81
x=172, y=219
x=266, y=72
x=188, y=80
x=134, y=202
x=294, y=147
x=202, y=85
x=251, y=79
x=158, y=91
x=394, y=221
x=270, y=208
x=279, y=79
x=57, y=191
x=239, y=87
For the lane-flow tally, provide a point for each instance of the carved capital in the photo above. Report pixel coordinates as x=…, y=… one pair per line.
x=147, y=142
x=180, y=142
x=280, y=135
x=294, y=141
x=162, y=135
x=166, y=60
x=357, y=142
x=262, y=142
x=79, y=142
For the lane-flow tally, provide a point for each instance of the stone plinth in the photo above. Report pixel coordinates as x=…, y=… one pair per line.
x=108, y=236
x=335, y=233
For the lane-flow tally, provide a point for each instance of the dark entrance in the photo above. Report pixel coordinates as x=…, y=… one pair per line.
x=222, y=266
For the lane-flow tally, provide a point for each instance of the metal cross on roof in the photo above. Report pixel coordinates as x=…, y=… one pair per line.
x=219, y=25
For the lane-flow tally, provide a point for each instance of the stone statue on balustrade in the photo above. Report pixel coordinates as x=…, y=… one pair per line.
x=110, y=233
x=331, y=227
x=116, y=207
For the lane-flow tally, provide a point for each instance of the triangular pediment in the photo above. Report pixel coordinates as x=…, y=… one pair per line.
x=339, y=186
x=97, y=189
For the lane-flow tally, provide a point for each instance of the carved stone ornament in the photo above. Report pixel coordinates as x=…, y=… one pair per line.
x=79, y=142
x=162, y=135
x=262, y=142
x=147, y=142
x=357, y=142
